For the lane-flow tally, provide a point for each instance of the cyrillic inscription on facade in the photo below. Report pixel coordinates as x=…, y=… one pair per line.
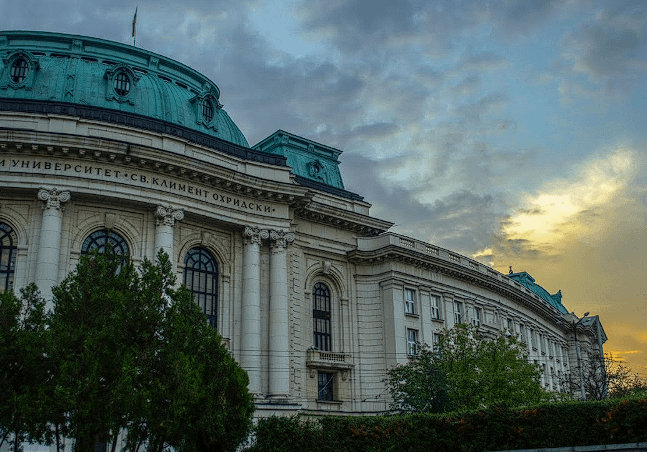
x=135, y=177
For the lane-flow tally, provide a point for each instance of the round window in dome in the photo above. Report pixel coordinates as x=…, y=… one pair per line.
x=207, y=110
x=121, y=84
x=19, y=70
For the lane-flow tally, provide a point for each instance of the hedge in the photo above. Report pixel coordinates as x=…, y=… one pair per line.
x=553, y=425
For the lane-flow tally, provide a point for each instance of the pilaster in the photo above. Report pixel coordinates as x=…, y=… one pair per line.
x=49, y=243
x=279, y=347
x=251, y=309
x=165, y=217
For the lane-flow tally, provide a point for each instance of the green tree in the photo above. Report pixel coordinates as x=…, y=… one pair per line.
x=132, y=352
x=24, y=369
x=466, y=371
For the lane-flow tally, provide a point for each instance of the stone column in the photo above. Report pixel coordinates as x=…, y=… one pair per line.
x=279, y=344
x=165, y=219
x=251, y=335
x=49, y=243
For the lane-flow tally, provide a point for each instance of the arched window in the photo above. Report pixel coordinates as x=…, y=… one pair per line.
x=321, y=312
x=201, y=278
x=103, y=238
x=8, y=249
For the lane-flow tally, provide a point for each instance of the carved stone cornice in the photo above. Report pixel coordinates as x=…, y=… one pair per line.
x=281, y=238
x=363, y=225
x=53, y=198
x=482, y=277
x=255, y=235
x=167, y=215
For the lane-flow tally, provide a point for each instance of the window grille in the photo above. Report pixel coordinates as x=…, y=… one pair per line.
x=321, y=314
x=19, y=70
x=121, y=84
x=8, y=250
x=207, y=110
x=201, y=278
x=103, y=238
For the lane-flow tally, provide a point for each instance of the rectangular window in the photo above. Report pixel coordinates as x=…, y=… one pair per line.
x=478, y=316
x=458, y=312
x=326, y=381
x=522, y=332
x=510, y=326
x=435, y=307
x=437, y=344
x=409, y=301
x=412, y=342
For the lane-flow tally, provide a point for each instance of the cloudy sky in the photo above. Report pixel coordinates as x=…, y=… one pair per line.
x=510, y=131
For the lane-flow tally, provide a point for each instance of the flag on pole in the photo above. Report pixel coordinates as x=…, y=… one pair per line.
x=134, y=23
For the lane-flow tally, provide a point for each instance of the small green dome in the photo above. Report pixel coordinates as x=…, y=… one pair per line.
x=55, y=67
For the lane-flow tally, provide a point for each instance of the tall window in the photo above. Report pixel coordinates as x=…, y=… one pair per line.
x=436, y=344
x=478, y=316
x=201, y=278
x=325, y=383
x=321, y=313
x=103, y=238
x=412, y=342
x=435, y=307
x=458, y=312
x=8, y=249
x=409, y=301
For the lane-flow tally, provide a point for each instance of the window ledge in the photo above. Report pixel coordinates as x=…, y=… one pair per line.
x=412, y=314
x=329, y=402
x=438, y=320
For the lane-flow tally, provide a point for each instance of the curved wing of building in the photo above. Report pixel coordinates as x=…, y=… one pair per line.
x=107, y=144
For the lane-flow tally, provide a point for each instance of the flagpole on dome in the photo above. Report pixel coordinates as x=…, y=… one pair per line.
x=134, y=25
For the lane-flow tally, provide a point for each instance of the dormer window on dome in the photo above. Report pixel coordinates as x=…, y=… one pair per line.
x=121, y=84
x=19, y=70
x=207, y=110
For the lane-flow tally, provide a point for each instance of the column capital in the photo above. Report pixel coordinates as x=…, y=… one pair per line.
x=282, y=238
x=255, y=235
x=167, y=215
x=53, y=198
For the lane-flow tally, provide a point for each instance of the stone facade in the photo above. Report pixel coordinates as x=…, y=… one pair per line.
x=312, y=295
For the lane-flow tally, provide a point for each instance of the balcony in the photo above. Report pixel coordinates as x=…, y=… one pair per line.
x=331, y=361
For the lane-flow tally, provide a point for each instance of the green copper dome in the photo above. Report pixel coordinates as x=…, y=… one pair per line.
x=555, y=300
x=54, y=67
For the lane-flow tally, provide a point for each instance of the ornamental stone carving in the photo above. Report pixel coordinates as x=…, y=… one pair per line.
x=255, y=235
x=282, y=238
x=53, y=198
x=167, y=215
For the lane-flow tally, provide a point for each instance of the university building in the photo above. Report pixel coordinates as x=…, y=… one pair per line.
x=107, y=145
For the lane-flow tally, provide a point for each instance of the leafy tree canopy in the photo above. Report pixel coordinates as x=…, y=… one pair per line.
x=126, y=351
x=466, y=371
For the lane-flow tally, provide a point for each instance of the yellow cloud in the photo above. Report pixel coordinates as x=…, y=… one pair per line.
x=560, y=207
